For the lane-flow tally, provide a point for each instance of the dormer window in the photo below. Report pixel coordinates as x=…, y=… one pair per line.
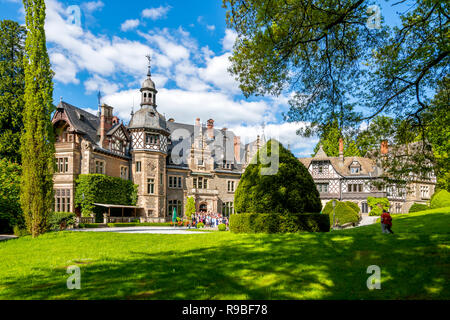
x=355, y=167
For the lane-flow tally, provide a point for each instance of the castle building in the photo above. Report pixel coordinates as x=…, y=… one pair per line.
x=169, y=161
x=354, y=179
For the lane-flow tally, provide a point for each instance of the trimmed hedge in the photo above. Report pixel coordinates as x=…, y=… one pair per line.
x=283, y=188
x=89, y=225
x=279, y=223
x=353, y=205
x=61, y=220
x=344, y=212
x=416, y=207
x=374, y=205
x=222, y=227
x=440, y=199
x=137, y=224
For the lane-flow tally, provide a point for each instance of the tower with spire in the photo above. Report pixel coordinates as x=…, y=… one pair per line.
x=148, y=90
x=149, y=147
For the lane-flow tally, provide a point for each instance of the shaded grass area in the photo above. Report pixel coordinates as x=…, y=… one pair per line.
x=414, y=264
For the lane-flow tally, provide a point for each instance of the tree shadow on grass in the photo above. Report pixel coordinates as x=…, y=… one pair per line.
x=414, y=265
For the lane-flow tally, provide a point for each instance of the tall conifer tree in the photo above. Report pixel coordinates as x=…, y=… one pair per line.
x=37, y=146
x=12, y=88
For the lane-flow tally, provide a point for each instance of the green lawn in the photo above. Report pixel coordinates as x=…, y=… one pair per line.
x=414, y=264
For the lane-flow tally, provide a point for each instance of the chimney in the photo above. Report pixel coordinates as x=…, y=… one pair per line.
x=115, y=120
x=341, y=149
x=237, y=149
x=384, y=147
x=210, y=126
x=106, y=123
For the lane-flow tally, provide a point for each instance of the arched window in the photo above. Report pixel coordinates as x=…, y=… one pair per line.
x=145, y=95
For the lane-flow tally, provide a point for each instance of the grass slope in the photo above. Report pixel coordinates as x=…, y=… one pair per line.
x=414, y=264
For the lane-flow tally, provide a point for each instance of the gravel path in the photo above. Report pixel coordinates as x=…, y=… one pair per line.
x=156, y=230
x=6, y=237
x=366, y=220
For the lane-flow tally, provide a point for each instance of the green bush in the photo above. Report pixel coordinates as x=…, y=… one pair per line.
x=89, y=225
x=20, y=231
x=10, y=211
x=137, y=224
x=222, y=227
x=288, y=189
x=375, y=203
x=278, y=223
x=99, y=188
x=61, y=220
x=416, y=207
x=297, y=222
x=200, y=225
x=440, y=199
x=344, y=213
x=353, y=205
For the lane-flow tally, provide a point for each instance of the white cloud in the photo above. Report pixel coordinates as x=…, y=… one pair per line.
x=216, y=72
x=210, y=27
x=200, y=84
x=185, y=106
x=156, y=13
x=129, y=24
x=95, y=54
x=65, y=70
x=283, y=132
x=229, y=39
x=173, y=51
x=92, y=6
x=97, y=83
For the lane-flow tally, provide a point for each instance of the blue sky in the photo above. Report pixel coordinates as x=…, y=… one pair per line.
x=189, y=44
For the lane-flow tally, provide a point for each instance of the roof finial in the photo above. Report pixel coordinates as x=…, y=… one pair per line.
x=60, y=99
x=99, y=98
x=149, y=58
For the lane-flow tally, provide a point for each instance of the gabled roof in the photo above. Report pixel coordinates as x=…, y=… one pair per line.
x=116, y=127
x=342, y=166
x=81, y=120
x=320, y=154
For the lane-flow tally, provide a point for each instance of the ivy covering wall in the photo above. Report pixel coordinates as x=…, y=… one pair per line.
x=98, y=188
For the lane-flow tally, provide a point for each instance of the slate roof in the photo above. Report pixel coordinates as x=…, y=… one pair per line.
x=148, y=117
x=82, y=121
x=88, y=124
x=368, y=166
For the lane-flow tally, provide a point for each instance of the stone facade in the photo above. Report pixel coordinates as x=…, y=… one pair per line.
x=169, y=161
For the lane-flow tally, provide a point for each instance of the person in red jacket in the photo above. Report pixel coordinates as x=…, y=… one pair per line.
x=386, y=222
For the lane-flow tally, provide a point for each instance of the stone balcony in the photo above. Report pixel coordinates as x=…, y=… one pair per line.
x=206, y=192
x=59, y=146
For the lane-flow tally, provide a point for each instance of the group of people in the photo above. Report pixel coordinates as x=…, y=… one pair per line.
x=210, y=220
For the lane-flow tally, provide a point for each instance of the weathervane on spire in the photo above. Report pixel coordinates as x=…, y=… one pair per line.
x=99, y=98
x=149, y=58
